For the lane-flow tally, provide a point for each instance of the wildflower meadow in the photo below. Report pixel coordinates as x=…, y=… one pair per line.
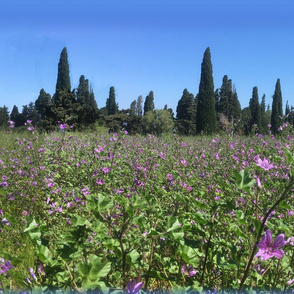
x=115, y=213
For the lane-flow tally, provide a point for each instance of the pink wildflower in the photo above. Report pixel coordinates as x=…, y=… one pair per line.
x=264, y=164
x=267, y=249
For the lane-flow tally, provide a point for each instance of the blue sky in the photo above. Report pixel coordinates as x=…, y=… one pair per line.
x=139, y=46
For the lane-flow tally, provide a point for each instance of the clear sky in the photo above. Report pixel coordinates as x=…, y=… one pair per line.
x=138, y=46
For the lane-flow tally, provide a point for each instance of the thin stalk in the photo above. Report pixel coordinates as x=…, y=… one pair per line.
x=206, y=256
x=248, y=265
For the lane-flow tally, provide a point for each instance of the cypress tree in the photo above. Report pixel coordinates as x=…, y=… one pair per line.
x=263, y=116
x=111, y=105
x=4, y=117
x=63, y=79
x=236, y=109
x=149, y=103
x=16, y=116
x=185, y=122
x=83, y=90
x=225, y=96
x=139, y=105
x=277, y=108
x=206, y=116
x=255, y=108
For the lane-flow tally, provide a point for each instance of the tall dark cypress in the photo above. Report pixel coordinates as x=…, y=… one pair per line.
x=206, y=115
x=149, y=103
x=263, y=117
x=111, y=105
x=277, y=108
x=63, y=79
x=255, y=108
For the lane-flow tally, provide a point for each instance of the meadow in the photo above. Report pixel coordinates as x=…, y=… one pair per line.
x=127, y=214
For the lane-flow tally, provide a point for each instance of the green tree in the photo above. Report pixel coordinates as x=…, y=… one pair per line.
x=111, y=105
x=88, y=110
x=4, y=117
x=29, y=112
x=157, y=122
x=66, y=109
x=82, y=93
x=139, y=106
x=287, y=109
x=133, y=107
x=277, y=108
x=16, y=116
x=255, y=108
x=263, y=116
x=185, y=122
x=245, y=122
x=206, y=115
x=149, y=103
x=63, y=79
x=226, y=98
x=236, y=109
x=42, y=102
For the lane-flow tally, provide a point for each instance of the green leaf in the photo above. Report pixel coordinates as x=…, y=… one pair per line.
x=99, y=203
x=77, y=220
x=33, y=230
x=99, y=269
x=176, y=230
x=257, y=224
x=132, y=257
x=189, y=255
x=243, y=179
x=42, y=252
x=84, y=268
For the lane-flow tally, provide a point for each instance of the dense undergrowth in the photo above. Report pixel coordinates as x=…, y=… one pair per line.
x=90, y=212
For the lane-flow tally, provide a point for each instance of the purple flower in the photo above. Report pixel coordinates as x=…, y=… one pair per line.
x=133, y=287
x=31, y=270
x=4, y=184
x=264, y=164
x=5, y=266
x=267, y=249
x=189, y=271
x=63, y=126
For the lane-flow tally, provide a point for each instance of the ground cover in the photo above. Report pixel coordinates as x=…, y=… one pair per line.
x=90, y=212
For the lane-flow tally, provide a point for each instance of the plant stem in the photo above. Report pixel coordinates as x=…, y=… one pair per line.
x=248, y=265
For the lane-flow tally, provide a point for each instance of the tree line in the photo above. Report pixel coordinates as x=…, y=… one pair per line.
x=208, y=112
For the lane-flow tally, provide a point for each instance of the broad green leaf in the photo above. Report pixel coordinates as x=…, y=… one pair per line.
x=42, y=252
x=132, y=257
x=77, y=220
x=243, y=179
x=84, y=268
x=176, y=230
x=257, y=224
x=99, y=269
x=93, y=285
x=189, y=255
x=33, y=230
x=99, y=203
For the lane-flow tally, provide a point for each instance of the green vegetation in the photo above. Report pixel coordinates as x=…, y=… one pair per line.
x=91, y=212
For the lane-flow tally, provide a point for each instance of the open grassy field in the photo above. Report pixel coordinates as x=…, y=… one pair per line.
x=83, y=212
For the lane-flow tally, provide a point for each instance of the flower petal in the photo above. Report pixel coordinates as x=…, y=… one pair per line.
x=278, y=253
x=279, y=241
x=269, y=237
